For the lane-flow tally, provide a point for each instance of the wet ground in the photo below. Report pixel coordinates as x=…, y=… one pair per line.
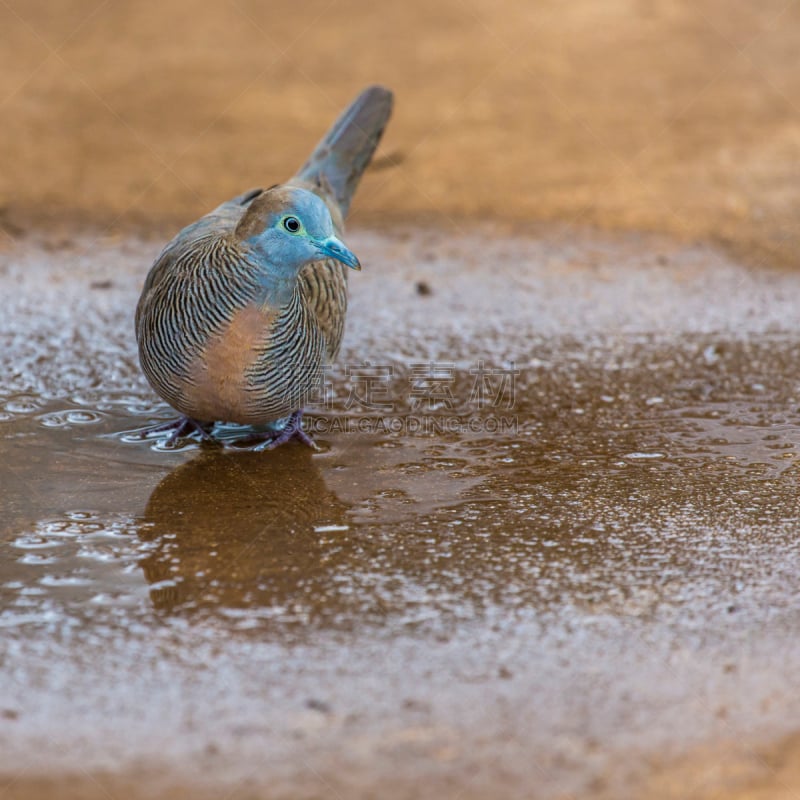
x=548, y=547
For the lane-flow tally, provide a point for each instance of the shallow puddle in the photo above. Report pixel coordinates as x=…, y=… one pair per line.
x=549, y=462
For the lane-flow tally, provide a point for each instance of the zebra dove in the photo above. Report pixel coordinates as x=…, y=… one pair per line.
x=243, y=308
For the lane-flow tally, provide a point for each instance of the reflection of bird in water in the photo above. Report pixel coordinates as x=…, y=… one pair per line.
x=245, y=306
x=242, y=532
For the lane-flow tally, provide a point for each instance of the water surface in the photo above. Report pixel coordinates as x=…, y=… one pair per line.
x=598, y=561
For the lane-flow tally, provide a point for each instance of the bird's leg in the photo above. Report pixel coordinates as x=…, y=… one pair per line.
x=178, y=428
x=292, y=430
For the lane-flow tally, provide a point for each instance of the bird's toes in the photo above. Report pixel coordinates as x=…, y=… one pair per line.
x=176, y=430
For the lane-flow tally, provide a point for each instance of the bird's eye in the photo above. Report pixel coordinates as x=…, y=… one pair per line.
x=292, y=224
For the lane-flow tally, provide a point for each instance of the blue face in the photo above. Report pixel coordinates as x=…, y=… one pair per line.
x=298, y=230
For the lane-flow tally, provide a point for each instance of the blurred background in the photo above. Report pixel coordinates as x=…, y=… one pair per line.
x=680, y=116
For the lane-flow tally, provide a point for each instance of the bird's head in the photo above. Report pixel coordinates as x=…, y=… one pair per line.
x=287, y=227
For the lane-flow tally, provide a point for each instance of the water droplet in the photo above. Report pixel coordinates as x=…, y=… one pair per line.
x=22, y=405
x=61, y=419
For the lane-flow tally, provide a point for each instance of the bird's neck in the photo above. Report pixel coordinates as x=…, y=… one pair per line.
x=278, y=290
x=276, y=285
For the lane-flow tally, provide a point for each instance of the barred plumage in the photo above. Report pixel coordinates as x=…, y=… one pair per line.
x=244, y=307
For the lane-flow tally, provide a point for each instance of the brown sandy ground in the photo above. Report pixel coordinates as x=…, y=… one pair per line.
x=671, y=115
x=767, y=773
x=721, y=772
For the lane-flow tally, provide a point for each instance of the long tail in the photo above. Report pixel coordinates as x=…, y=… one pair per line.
x=339, y=160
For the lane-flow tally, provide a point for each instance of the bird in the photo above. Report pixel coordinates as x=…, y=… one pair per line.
x=245, y=307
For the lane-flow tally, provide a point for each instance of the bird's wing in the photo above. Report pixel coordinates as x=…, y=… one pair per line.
x=219, y=222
